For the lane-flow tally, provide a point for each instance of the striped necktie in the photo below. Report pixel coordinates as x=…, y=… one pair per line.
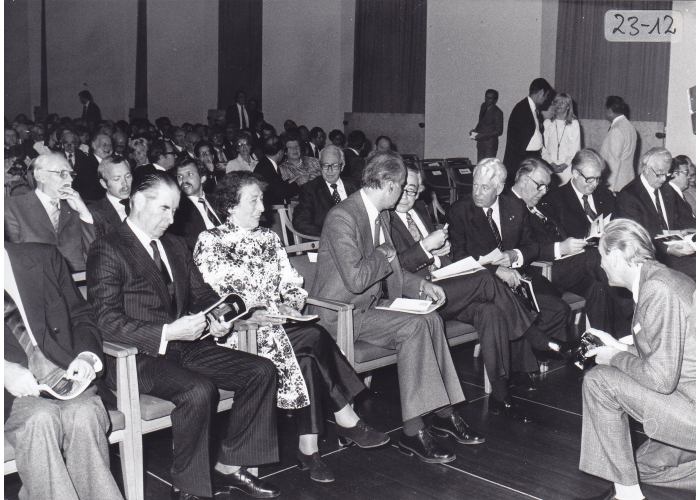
x=494, y=228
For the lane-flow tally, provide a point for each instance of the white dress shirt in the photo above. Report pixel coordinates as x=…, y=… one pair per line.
x=422, y=230
x=210, y=224
x=650, y=191
x=372, y=214
x=496, y=216
x=341, y=189
x=116, y=203
x=243, y=116
x=536, y=141
x=46, y=203
x=591, y=201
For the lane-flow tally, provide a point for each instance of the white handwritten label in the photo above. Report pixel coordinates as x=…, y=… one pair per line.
x=464, y=171
x=436, y=172
x=643, y=25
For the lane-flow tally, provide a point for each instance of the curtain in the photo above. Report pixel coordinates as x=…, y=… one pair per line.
x=389, y=69
x=590, y=68
x=240, y=50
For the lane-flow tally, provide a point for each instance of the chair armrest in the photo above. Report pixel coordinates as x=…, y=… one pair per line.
x=333, y=305
x=118, y=350
x=247, y=332
x=546, y=267
x=345, y=334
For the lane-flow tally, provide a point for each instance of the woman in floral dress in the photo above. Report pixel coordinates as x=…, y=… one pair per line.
x=242, y=257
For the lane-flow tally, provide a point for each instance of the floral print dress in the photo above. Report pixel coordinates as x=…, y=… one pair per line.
x=253, y=264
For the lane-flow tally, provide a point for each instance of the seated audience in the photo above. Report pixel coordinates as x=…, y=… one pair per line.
x=317, y=141
x=562, y=137
x=162, y=155
x=120, y=143
x=138, y=152
x=177, y=138
x=651, y=381
x=147, y=293
x=86, y=180
x=245, y=160
x=337, y=138
x=206, y=155
x=110, y=211
x=651, y=202
x=297, y=168
x=61, y=447
x=383, y=144
x=191, y=139
x=239, y=257
x=18, y=179
x=279, y=191
x=356, y=262
x=54, y=213
x=318, y=196
x=354, y=158
x=194, y=213
x=680, y=182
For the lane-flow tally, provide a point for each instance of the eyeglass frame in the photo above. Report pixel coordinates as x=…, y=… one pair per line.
x=63, y=174
x=539, y=186
x=666, y=175
x=411, y=192
x=591, y=179
x=331, y=167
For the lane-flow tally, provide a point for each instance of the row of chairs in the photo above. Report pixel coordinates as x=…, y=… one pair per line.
x=448, y=178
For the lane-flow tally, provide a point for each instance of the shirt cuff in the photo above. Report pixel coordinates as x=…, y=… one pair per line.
x=519, y=261
x=87, y=219
x=91, y=358
x=557, y=251
x=428, y=254
x=163, y=343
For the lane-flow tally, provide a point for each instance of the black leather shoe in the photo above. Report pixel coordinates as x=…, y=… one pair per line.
x=562, y=350
x=456, y=427
x=183, y=495
x=362, y=435
x=508, y=409
x=425, y=447
x=318, y=471
x=607, y=495
x=244, y=481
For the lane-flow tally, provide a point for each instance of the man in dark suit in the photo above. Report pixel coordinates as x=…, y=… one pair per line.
x=489, y=220
x=61, y=447
x=680, y=182
x=91, y=111
x=317, y=141
x=650, y=201
x=110, y=211
x=357, y=264
x=146, y=292
x=318, y=196
x=575, y=266
x=525, y=127
x=194, y=214
x=86, y=181
x=162, y=155
x=54, y=213
x=354, y=161
x=489, y=128
x=237, y=114
x=278, y=191
x=477, y=298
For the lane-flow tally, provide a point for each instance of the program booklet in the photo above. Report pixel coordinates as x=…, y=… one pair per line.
x=526, y=293
x=411, y=306
x=64, y=388
x=596, y=230
x=465, y=266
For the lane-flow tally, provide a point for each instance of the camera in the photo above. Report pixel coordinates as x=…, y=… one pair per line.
x=588, y=342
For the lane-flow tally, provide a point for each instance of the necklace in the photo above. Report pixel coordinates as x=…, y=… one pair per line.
x=559, y=137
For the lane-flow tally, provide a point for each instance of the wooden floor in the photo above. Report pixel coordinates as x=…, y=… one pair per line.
x=517, y=461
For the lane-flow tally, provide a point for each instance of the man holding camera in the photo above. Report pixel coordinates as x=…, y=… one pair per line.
x=652, y=381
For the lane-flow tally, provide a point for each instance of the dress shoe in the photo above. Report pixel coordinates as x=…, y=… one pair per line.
x=508, y=409
x=183, y=495
x=425, y=447
x=456, y=427
x=606, y=495
x=318, y=471
x=362, y=435
x=565, y=351
x=244, y=481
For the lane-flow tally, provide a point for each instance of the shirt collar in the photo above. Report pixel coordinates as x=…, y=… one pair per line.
x=676, y=189
x=533, y=107
x=116, y=202
x=158, y=167
x=44, y=198
x=141, y=235
x=635, y=284
x=372, y=211
x=616, y=119
x=338, y=183
x=646, y=185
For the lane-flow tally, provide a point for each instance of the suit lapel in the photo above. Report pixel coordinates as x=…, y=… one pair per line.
x=27, y=270
x=324, y=194
x=34, y=206
x=179, y=275
x=480, y=227
x=571, y=201
x=508, y=227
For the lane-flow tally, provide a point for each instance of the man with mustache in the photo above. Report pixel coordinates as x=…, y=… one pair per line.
x=54, y=213
x=110, y=211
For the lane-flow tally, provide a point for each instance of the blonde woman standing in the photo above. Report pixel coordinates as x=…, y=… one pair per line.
x=562, y=137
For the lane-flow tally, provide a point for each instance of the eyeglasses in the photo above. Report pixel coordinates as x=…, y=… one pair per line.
x=682, y=172
x=64, y=174
x=410, y=192
x=170, y=153
x=540, y=187
x=589, y=180
x=331, y=167
x=662, y=175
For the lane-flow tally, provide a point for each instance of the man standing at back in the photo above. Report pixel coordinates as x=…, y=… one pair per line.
x=357, y=264
x=489, y=128
x=525, y=127
x=619, y=144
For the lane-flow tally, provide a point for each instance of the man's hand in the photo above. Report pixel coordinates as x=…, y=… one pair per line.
x=19, y=381
x=445, y=250
x=74, y=201
x=433, y=292
x=80, y=370
x=434, y=240
x=260, y=316
x=388, y=251
x=607, y=339
x=507, y=258
x=571, y=245
x=680, y=249
x=603, y=354
x=288, y=310
x=219, y=328
x=187, y=328
x=510, y=276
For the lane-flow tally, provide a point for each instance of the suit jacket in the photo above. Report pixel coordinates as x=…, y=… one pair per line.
x=562, y=205
x=92, y=114
x=686, y=211
x=130, y=298
x=354, y=166
x=188, y=222
x=349, y=268
x=278, y=191
x=634, y=202
x=314, y=203
x=618, y=150
x=410, y=253
x=26, y=221
x=106, y=218
x=521, y=127
x=59, y=318
x=490, y=126
x=470, y=233
x=86, y=181
x=237, y=121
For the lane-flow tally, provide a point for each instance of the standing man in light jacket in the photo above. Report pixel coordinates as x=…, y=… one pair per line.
x=619, y=144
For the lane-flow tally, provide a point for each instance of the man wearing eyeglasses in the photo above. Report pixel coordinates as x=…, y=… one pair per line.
x=650, y=201
x=162, y=155
x=54, y=213
x=321, y=194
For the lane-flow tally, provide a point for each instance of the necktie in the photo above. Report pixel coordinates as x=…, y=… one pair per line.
x=377, y=228
x=43, y=369
x=210, y=215
x=659, y=211
x=587, y=208
x=163, y=272
x=125, y=203
x=334, y=194
x=413, y=228
x=70, y=159
x=550, y=226
x=494, y=228
x=55, y=213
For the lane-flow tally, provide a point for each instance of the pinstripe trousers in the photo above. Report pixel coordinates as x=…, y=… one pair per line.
x=189, y=376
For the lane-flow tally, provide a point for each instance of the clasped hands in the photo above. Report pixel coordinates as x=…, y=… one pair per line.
x=611, y=346
x=191, y=327
x=437, y=243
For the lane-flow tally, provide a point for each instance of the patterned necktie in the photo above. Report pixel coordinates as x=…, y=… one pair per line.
x=335, y=195
x=125, y=204
x=70, y=159
x=587, y=208
x=43, y=369
x=55, y=214
x=413, y=228
x=659, y=211
x=163, y=272
x=494, y=228
x=377, y=229
x=210, y=215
